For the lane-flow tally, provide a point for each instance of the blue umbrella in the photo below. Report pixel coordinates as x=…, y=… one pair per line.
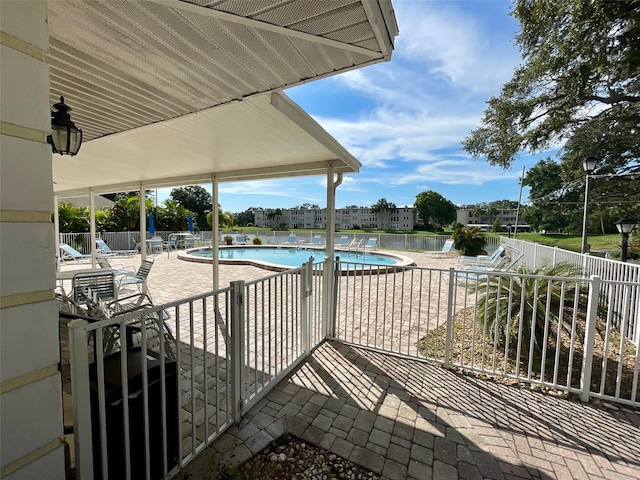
x=190, y=223
x=152, y=227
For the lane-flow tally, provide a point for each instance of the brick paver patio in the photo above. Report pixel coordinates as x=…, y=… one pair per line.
x=408, y=419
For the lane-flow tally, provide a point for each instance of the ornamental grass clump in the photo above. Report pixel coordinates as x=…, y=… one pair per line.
x=522, y=308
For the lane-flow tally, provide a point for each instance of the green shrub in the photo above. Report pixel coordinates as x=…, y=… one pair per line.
x=469, y=240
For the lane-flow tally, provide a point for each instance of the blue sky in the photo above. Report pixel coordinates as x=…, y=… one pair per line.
x=405, y=119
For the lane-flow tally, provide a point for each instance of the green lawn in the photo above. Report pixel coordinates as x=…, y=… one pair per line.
x=574, y=242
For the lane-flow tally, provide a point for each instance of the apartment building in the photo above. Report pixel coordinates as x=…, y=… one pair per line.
x=401, y=218
x=484, y=220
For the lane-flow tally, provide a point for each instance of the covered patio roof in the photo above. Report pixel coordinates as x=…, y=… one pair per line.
x=265, y=136
x=172, y=92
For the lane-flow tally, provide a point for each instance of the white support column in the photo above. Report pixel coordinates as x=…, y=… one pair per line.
x=30, y=386
x=92, y=227
x=328, y=310
x=215, y=233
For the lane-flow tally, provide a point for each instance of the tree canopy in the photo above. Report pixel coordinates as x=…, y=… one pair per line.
x=578, y=87
x=382, y=205
x=195, y=199
x=434, y=208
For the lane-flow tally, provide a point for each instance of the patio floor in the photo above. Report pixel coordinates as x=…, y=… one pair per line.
x=407, y=419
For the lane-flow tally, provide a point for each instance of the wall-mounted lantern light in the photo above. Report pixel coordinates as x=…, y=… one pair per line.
x=65, y=138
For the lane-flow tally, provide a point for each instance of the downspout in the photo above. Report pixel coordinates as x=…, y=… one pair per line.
x=215, y=233
x=332, y=186
x=92, y=227
x=56, y=229
x=143, y=225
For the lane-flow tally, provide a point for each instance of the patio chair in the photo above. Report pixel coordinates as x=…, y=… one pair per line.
x=240, y=239
x=371, y=244
x=96, y=309
x=291, y=239
x=103, y=262
x=106, y=250
x=171, y=243
x=316, y=241
x=189, y=242
x=343, y=241
x=139, y=278
x=155, y=245
x=136, y=245
x=102, y=286
x=447, y=250
x=68, y=253
x=141, y=302
x=486, y=260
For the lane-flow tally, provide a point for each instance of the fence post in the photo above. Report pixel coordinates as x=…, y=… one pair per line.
x=589, y=337
x=306, y=286
x=237, y=349
x=449, y=330
x=81, y=399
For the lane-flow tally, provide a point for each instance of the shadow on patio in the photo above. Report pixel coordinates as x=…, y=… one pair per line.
x=407, y=419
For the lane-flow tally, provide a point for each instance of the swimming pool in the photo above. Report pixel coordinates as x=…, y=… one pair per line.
x=285, y=258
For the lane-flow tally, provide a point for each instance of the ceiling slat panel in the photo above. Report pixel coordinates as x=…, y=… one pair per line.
x=299, y=10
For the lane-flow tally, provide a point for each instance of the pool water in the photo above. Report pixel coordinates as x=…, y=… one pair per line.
x=293, y=256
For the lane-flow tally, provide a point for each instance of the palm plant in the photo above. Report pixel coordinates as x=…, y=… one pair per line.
x=469, y=240
x=524, y=303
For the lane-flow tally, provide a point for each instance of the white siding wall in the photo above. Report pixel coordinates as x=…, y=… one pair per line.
x=30, y=389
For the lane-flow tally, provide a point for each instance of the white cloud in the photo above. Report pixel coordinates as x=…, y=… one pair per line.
x=450, y=43
x=455, y=172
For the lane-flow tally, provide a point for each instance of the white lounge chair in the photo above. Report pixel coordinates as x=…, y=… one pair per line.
x=343, y=241
x=291, y=239
x=105, y=249
x=240, y=239
x=371, y=244
x=68, y=253
x=447, y=250
x=317, y=240
x=484, y=260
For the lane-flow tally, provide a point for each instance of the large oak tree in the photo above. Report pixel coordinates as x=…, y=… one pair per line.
x=578, y=88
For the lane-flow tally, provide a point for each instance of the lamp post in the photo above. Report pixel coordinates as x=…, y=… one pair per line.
x=589, y=166
x=509, y=230
x=625, y=226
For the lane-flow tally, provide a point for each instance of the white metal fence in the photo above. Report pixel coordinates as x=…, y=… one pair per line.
x=227, y=350
x=536, y=255
x=557, y=332
x=392, y=241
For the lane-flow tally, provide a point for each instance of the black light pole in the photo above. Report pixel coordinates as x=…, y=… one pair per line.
x=625, y=226
x=509, y=230
x=589, y=166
